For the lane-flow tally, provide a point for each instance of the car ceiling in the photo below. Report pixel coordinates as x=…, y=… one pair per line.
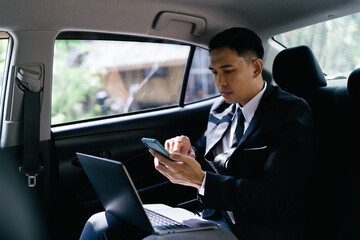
x=136, y=16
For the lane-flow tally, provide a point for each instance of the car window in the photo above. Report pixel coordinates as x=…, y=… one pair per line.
x=94, y=78
x=335, y=44
x=97, y=78
x=200, y=82
x=4, y=38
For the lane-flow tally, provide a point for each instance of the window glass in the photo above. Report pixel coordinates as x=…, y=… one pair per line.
x=94, y=78
x=200, y=83
x=335, y=44
x=4, y=37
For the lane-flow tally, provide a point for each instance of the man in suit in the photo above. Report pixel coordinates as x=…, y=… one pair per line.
x=251, y=165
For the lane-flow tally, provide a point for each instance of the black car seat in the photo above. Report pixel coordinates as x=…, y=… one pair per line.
x=350, y=218
x=297, y=71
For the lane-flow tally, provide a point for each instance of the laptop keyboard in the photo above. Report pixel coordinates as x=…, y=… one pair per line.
x=163, y=223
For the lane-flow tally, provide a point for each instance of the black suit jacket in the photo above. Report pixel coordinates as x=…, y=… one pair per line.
x=266, y=177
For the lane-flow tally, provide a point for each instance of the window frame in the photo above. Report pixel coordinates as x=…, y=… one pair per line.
x=73, y=35
x=8, y=55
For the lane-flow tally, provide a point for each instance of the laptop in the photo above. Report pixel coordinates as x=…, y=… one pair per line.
x=117, y=194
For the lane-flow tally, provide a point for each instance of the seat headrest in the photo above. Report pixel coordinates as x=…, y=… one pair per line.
x=297, y=70
x=353, y=84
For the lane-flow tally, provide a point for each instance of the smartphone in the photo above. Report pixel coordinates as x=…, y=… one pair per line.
x=155, y=145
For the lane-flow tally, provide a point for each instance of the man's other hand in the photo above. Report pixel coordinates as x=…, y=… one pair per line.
x=180, y=144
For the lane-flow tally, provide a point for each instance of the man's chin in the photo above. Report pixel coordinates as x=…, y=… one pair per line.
x=228, y=100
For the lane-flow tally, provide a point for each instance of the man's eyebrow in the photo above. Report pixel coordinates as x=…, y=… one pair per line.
x=224, y=66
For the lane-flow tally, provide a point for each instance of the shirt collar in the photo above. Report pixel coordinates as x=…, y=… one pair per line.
x=249, y=108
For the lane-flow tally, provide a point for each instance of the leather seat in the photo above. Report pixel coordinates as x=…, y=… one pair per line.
x=350, y=227
x=296, y=70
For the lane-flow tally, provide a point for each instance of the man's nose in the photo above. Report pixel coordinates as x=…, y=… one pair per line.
x=221, y=80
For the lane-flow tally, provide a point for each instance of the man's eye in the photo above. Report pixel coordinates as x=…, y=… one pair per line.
x=229, y=71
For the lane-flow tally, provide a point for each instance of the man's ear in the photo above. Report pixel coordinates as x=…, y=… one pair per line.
x=258, y=67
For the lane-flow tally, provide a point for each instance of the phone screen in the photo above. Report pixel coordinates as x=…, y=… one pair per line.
x=155, y=145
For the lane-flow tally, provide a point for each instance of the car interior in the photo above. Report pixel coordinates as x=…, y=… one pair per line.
x=95, y=77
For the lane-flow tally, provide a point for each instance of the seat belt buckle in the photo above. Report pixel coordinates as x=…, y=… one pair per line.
x=31, y=175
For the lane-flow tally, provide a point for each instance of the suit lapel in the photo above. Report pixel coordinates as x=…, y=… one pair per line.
x=258, y=114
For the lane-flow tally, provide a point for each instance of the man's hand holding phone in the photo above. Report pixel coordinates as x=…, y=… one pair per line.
x=180, y=167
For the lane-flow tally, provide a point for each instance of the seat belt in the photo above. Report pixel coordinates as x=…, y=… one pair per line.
x=31, y=78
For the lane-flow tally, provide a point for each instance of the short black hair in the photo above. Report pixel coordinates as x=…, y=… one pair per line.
x=242, y=40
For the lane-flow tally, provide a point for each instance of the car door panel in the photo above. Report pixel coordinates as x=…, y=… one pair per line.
x=119, y=138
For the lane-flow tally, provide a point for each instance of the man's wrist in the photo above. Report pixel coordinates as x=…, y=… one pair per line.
x=202, y=187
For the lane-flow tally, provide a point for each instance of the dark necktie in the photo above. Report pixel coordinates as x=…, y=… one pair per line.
x=239, y=130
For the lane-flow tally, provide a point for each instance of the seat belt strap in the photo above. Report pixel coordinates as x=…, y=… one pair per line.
x=30, y=77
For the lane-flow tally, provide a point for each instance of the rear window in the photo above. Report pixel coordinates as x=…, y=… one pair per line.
x=335, y=44
x=97, y=78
